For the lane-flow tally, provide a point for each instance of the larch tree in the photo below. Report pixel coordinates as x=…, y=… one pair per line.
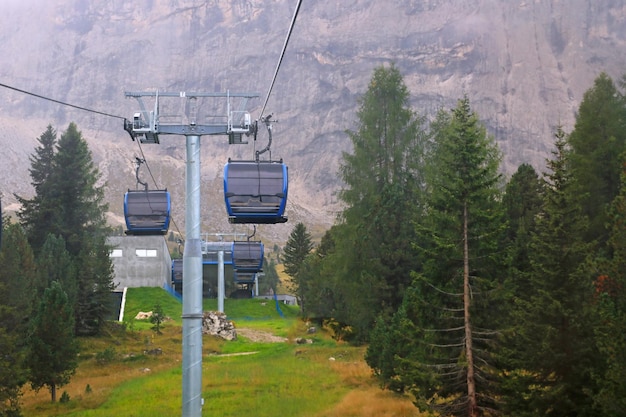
x=381, y=179
x=446, y=327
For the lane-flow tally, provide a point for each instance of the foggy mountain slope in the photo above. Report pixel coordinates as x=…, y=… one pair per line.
x=524, y=64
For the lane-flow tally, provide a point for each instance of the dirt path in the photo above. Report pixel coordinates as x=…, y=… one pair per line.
x=260, y=336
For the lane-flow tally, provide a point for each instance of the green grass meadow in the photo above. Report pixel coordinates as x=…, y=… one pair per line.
x=117, y=376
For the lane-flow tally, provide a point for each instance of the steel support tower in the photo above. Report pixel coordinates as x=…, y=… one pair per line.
x=147, y=126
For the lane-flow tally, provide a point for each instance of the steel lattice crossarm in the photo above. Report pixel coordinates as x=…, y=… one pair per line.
x=147, y=125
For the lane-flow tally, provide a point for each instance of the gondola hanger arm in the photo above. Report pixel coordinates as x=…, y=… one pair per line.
x=138, y=162
x=268, y=123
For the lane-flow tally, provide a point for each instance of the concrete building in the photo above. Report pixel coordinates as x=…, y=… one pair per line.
x=140, y=261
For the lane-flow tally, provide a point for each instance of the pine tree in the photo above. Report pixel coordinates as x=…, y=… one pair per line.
x=448, y=318
x=298, y=246
x=598, y=139
x=53, y=347
x=270, y=278
x=522, y=201
x=319, y=273
x=54, y=263
x=79, y=199
x=16, y=288
x=69, y=204
x=610, y=301
x=553, y=339
x=94, y=286
x=36, y=215
x=12, y=369
x=17, y=276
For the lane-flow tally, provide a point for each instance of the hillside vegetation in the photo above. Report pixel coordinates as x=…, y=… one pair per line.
x=132, y=371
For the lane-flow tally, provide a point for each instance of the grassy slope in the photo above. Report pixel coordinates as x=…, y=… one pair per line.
x=280, y=379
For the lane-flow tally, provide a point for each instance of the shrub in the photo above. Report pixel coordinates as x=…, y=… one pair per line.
x=65, y=398
x=106, y=356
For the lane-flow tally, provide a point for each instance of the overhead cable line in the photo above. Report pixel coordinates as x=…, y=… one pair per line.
x=282, y=55
x=61, y=102
x=90, y=111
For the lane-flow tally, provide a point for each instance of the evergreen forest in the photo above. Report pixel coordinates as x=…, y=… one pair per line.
x=478, y=294
x=57, y=276
x=475, y=293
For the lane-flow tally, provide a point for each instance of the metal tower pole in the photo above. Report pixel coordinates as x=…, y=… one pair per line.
x=192, y=286
x=146, y=127
x=220, y=281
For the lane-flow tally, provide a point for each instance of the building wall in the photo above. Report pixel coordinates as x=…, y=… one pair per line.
x=140, y=261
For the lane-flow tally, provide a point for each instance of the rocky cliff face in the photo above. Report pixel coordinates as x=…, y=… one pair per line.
x=525, y=65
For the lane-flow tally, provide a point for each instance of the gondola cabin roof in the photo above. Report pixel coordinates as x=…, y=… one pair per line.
x=255, y=191
x=147, y=212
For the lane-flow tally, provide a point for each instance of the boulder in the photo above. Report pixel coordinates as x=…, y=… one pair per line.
x=215, y=323
x=143, y=315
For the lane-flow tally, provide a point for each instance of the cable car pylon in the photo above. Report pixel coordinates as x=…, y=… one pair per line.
x=147, y=128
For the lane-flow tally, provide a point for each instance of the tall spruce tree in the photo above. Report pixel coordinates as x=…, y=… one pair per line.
x=610, y=301
x=319, y=272
x=17, y=277
x=446, y=323
x=522, y=202
x=53, y=348
x=270, y=279
x=381, y=196
x=298, y=247
x=553, y=344
x=597, y=141
x=54, y=263
x=12, y=368
x=94, y=286
x=36, y=215
x=79, y=198
x=69, y=204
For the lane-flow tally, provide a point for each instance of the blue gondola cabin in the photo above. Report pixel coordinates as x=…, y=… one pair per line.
x=255, y=191
x=147, y=212
x=247, y=256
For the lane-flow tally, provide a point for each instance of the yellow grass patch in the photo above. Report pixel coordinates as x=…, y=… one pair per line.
x=365, y=399
x=373, y=402
x=103, y=378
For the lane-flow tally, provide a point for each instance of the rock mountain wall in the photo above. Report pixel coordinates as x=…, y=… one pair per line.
x=525, y=65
